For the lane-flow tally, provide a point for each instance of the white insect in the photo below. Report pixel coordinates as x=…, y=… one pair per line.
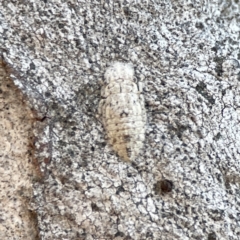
x=123, y=111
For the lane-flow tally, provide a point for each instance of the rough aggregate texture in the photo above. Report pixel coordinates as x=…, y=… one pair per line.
x=17, y=220
x=187, y=55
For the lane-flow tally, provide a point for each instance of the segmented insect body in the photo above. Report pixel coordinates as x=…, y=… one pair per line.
x=123, y=112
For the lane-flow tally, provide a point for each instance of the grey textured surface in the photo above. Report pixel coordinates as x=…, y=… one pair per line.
x=187, y=55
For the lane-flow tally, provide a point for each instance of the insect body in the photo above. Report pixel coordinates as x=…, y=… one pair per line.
x=123, y=112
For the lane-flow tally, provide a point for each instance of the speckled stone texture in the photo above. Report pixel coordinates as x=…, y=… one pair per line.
x=17, y=220
x=185, y=182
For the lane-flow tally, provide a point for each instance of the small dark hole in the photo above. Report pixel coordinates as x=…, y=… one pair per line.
x=163, y=186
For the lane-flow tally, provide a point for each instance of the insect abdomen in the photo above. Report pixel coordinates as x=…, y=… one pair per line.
x=123, y=112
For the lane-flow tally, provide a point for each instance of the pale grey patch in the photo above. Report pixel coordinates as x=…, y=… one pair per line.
x=123, y=111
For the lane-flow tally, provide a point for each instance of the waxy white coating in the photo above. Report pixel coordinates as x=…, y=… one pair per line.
x=123, y=111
